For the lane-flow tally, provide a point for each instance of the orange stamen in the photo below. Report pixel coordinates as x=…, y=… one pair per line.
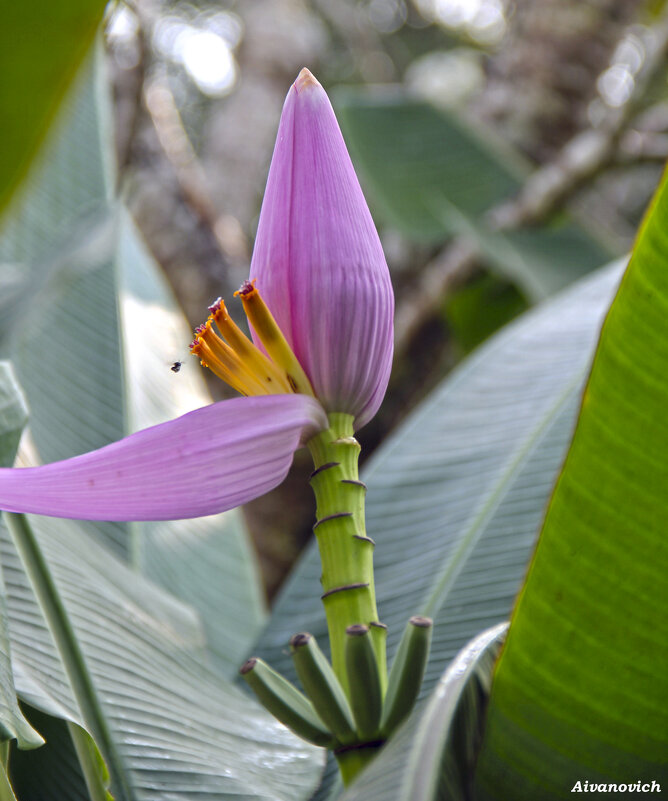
x=271, y=336
x=235, y=359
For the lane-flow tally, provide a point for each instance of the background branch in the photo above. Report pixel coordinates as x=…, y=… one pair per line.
x=551, y=186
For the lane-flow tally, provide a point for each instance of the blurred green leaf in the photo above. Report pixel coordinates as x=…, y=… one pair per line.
x=95, y=361
x=171, y=723
x=481, y=307
x=42, y=45
x=432, y=175
x=581, y=691
x=58, y=235
x=433, y=754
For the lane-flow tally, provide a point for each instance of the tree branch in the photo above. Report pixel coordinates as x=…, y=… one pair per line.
x=546, y=190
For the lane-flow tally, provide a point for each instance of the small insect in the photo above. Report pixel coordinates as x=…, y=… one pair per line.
x=176, y=367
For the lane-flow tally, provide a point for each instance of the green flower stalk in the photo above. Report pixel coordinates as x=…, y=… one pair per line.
x=349, y=595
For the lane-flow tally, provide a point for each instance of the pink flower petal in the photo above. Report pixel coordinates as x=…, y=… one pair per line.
x=318, y=261
x=205, y=462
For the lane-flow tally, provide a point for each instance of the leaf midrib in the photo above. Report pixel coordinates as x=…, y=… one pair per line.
x=455, y=561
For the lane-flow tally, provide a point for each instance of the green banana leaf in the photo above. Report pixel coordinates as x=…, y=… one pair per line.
x=581, y=690
x=163, y=720
x=432, y=175
x=96, y=645
x=42, y=45
x=105, y=335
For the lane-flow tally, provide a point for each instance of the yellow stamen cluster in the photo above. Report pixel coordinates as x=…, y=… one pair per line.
x=233, y=357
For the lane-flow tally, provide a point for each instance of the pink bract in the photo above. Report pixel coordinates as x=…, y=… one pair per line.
x=204, y=462
x=318, y=260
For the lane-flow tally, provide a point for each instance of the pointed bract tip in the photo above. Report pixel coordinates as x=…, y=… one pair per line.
x=305, y=79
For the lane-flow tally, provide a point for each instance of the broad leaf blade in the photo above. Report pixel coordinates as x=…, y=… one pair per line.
x=58, y=231
x=581, y=689
x=95, y=362
x=41, y=47
x=68, y=647
x=174, y=724
x=432, y=176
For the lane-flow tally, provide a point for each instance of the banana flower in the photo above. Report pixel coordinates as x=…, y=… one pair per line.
x=320, y=306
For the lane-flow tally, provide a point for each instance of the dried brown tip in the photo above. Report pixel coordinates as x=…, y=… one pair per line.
x=248, y=665
x=422, y=622
x=300, y=640
x=305, y=79
x=357, y=630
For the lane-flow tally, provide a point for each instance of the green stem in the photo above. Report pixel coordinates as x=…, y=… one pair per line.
x=346, y=552
x=6, y=791
x=69, y=649
x=91, y=763
x=352, y=761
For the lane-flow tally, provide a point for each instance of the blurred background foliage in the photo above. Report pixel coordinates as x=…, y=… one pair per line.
x=506, y=147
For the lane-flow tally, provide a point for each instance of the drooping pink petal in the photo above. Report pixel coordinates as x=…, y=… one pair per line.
x=318, y=261
x=204, y=462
